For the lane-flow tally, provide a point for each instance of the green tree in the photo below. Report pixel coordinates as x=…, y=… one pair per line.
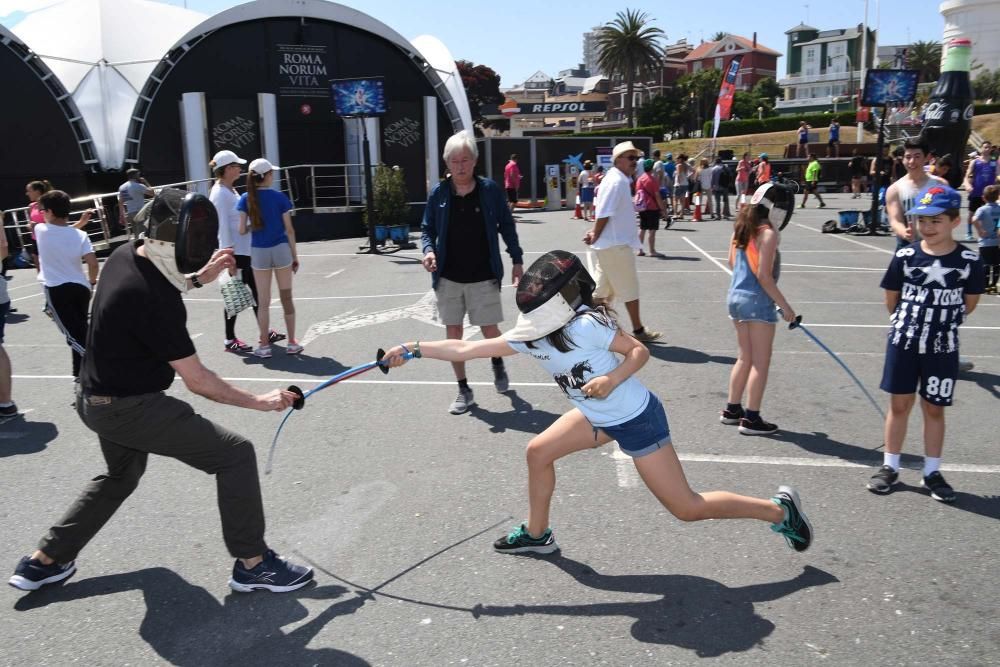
x=700, y=91
x=987, y=85
x=719, y=36
x=482, y=87
x=629, y=47
x=389, y=194
x=666, y=109
x=926, y=57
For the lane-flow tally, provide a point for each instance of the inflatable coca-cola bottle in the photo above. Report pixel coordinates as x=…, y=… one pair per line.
x=948, y=117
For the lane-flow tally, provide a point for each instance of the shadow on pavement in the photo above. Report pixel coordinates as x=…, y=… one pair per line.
x=297, y=363
x=186, y=625
x=673, y=258
x=695, y=613
x=18, y=317
x=988, y=381
x=19, y=436
x=820, y=443
x=683, y=355
x=521, y=418
x=987, y=506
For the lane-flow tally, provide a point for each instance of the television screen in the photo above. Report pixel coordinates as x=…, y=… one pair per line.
x=889, y=86
x=358, y=97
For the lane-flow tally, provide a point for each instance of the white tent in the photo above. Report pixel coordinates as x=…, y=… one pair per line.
x=439, y=57
x=103, y=51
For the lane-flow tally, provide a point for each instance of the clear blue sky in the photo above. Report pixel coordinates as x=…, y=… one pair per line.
x=518, y=37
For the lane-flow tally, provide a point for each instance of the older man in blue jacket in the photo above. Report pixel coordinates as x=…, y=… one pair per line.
x=464, y=216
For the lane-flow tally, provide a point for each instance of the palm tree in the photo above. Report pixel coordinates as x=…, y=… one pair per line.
x=629, y=47
x=926, y=57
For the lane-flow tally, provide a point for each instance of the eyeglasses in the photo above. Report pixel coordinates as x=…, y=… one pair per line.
x=632, y=158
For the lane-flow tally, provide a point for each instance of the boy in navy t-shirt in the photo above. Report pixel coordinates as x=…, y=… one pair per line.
x=930, y=287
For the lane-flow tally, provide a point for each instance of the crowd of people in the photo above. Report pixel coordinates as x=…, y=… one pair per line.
x=136, y=340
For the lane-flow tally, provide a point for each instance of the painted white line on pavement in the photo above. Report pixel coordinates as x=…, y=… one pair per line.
x=322, y=298
x=22, y=298
x=193, y=336
x=709, y=257
x=628, y=476
x=14, y=289
x=334, y=273
x=841, y=237
x=826, y=463
x=818, y=266
x=965, y=327
x=783, y=271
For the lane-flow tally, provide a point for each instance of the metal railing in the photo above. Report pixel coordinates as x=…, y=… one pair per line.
x=319, y=188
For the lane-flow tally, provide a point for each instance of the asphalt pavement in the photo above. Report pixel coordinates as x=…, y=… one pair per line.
x=395, y=502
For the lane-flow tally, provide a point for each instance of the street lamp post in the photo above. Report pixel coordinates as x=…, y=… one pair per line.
x=760, y=113
x=850, y=76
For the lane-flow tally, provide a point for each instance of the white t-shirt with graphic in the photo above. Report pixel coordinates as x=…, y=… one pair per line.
x=590, y=357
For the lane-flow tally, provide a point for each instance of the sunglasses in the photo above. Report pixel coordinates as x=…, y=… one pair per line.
x=632, y=158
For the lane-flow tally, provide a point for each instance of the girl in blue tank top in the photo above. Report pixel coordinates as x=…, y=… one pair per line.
x=753, y=295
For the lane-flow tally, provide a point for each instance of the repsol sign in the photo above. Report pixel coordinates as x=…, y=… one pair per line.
x=564, y=107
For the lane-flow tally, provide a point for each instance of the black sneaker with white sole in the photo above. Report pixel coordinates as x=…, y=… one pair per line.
x=731, y=417
x=882, y=481
x=274, y=574
x=756, y=426
x=500, y=380
x=796, y=529
x=940, y=490
x=519, y=541
x=31, y=574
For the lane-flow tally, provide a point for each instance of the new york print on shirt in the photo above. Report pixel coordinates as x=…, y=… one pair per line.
x=932, y=296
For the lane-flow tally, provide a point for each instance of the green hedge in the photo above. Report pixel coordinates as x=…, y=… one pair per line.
x=731, y=128
x=655, y=131
x=981, y=109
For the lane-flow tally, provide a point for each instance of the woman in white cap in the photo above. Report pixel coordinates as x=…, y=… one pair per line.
x=227, y=168
x=266, y=215
x=594, y=362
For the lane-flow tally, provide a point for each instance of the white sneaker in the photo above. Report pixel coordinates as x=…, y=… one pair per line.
x=264, y=352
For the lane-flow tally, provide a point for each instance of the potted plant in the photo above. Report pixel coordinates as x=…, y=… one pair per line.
x=390, y=207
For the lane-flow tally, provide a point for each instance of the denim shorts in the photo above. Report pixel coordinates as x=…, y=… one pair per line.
x=751, y=307
x=644, y=433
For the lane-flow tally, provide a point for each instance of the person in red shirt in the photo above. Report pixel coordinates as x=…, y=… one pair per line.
x=512, y=181
x=649, y=215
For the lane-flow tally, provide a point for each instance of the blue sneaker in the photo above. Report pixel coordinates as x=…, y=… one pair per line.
x=519, y=542
x=32, y=574
x=796, y=528
x=274, y=574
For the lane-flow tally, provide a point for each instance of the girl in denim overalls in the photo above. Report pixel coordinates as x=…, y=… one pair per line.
x=753, y=293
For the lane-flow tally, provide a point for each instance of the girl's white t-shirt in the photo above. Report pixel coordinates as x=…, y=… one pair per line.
x=591, y=357
x=225, y=201
x=60, y=251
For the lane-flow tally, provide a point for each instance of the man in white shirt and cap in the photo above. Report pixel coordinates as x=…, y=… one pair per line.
x=615, y=238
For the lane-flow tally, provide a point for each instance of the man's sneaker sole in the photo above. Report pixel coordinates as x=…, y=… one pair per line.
x=250, y=588
x=456, y=411
x=17, y=581
x=746, y=430
x=540, y=549
x=882, y=490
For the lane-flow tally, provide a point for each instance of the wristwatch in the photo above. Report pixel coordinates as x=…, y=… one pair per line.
x=194, y=280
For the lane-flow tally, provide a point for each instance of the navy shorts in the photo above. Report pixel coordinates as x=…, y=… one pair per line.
x=751, y=307
x=644, y=433
x=587, y=195
x=934, y=374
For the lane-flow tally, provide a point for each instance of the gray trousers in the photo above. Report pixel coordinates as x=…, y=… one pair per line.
x=131, y=428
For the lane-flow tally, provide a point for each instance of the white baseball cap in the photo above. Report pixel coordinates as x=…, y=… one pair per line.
x=622, y=148
x=225, y=158
x=261, y=166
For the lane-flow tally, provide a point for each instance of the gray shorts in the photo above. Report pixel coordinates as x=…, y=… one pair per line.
x=275, y=257
x=480, y=300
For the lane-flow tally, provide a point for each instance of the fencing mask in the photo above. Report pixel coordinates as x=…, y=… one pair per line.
x=182, y=233
x=776, y=203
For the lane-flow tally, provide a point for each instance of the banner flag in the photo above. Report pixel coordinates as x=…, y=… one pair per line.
x=724, y=105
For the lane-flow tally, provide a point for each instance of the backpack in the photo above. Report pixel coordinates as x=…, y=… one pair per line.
x=725, y=177
x=641, y=199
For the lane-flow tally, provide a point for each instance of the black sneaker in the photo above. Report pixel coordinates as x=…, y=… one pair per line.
x=756, y=426
x=940, y=489
x=500, y=379
x=31, y=574
x=274, y=574
x=796, y=528
x=519, y=542
x=882, y=481
x=731, y=417
x=273, y=336
x=8, y=413
x=462, y=402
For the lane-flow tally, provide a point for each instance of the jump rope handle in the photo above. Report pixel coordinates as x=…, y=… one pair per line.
x=301, y=400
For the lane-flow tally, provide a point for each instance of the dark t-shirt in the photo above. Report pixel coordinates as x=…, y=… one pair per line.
x=858, y=166
x=468, y=250
x=932, y=296
x=138, y=324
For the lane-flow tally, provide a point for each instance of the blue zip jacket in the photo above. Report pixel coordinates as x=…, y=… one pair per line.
x=434, y=226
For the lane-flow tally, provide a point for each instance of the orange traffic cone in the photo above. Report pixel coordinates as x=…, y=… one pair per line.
x=578, y=212
x=697, y=209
